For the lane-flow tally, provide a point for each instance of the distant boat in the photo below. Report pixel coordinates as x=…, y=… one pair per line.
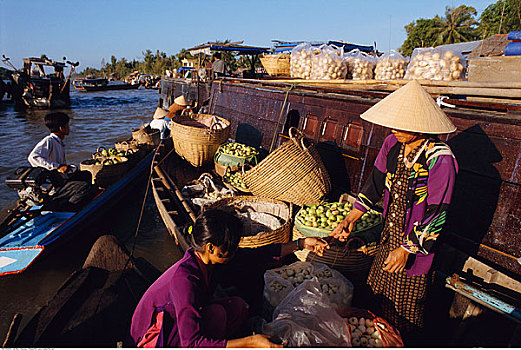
x=100, y=84
x=34, y=88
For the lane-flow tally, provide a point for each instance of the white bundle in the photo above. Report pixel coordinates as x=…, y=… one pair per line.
x=435, y=64
x=300, y=62
x=390, y=66
x=361, y=65
x=328, y=63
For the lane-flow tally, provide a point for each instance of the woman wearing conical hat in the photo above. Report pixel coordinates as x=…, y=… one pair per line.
x=415, y=173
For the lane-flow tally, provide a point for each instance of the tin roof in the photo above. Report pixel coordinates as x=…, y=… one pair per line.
x=463, y=48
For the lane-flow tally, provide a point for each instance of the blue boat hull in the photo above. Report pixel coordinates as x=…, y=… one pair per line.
x=31, y=238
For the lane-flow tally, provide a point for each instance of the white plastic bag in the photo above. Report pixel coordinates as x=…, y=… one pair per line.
x=306, y=318
x=361, y=65
x=435, y=64
x=391, y=65
x=328, y=63
x=336, y=286
x=300, y=62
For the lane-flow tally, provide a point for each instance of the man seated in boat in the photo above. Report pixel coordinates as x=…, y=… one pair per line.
x=179, y=310
x=73, y=187
x=161, y=122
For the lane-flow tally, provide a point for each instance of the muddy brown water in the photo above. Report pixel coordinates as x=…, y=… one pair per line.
x=97, y=119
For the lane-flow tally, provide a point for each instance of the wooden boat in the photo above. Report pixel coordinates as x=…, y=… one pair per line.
x=94, y=307
x=101, y=84
x=38, y=89
x=480, y=246
x=26, y=235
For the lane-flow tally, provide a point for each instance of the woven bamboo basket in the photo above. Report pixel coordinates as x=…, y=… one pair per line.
x=104, y=175
x=126, y=145
x=277, y=65
x=262, y=205
x=293, y=172
x=198, y=144
x=146, y=137
x=340, y=256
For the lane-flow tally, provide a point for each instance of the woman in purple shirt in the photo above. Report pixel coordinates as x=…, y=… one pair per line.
x=178, y=309
x=415, y=173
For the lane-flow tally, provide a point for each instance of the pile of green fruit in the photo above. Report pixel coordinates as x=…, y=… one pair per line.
x=110, y=156
x=325, y=217
x=238, y=150
x=235, y=179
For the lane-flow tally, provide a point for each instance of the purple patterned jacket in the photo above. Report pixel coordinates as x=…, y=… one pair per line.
x=428, y=197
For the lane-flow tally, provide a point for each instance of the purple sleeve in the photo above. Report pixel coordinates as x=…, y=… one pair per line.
x=374, y=186
x=440, y=185
x=186, y=296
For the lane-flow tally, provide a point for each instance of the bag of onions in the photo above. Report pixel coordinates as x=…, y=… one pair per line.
x=300, y=63
x=370, y=331
x=360, y=64
x=391, y=65
x=328, y=63
x=278, y=283
x=435, y=64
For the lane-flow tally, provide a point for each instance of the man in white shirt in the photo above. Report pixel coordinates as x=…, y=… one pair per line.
x=73, y=189
x=161, y=123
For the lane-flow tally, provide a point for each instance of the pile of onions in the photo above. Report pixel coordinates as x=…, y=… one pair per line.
x=301, y=61
x=361, y=65
x=435, y=64
x=363, y=333
x=390, y=66
x=328, y=64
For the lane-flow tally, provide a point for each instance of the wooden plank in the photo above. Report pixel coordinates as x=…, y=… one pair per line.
x=502, y=68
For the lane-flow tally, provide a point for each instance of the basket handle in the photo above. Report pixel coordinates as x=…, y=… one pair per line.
x=348, y=249
x=244, y=166
x=297, y=137
x=124, y=143
x=107, y=161
x=100, y=148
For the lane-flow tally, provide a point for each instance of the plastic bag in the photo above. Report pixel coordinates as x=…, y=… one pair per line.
x=278, y=283
x=392, y=65
x=306, y=318
x=368, y=330
x=435, y=64
x=300, y=63
x=360, y=64
x=328, y=63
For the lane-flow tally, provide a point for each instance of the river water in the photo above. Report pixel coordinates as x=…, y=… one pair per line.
x=97, y=119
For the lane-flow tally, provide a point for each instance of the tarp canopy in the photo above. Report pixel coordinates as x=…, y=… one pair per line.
x=281, y=46
x=237, y=47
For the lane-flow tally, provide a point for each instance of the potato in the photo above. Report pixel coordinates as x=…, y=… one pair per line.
x=439, y=64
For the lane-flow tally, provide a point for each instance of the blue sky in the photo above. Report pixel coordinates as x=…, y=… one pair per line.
x=88, y=31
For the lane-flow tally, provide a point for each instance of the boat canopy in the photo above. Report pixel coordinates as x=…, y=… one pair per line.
x=282, y=46
x=237, y=47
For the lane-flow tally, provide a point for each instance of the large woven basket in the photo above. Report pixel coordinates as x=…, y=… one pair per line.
x=196, y=144
x=276, y=64
x=104, y=175
x=146, y=137
x=293, y=172
x=340, y=257
x=261, y=205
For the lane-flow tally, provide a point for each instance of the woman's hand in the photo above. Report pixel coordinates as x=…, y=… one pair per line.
x=316, y=245
x=396, y=260
x=343, y=230
x=253, y=341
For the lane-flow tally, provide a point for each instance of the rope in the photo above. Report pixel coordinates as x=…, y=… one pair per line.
x=280, y=116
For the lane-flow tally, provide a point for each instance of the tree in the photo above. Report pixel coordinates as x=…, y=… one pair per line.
x=419, y=34
x=502, y=17
x=457, y=26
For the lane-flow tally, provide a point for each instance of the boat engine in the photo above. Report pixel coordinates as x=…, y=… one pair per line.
x=34, y=185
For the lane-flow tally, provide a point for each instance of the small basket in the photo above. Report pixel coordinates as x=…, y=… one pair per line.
x=293, y=172
x=104, y=175
x=276, y=65
x=195, y=144
x=147, y=137
x=265, y=205
x=126, y=145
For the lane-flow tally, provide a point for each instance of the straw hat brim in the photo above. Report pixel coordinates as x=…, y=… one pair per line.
x=160, y=113
x=410, y=108
x=181, y=101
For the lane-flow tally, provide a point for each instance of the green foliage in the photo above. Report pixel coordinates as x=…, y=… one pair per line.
x=491, y=19
x=5, y=74
x=419, y=34
x=457, y=26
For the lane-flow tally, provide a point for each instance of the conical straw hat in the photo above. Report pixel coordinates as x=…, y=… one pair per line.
x=181, y=100
x=159, y=113
x=410, y=108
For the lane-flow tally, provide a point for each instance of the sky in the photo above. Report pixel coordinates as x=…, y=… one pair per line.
x=91, y=30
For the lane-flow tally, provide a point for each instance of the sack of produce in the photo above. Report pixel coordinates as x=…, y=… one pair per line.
x=301, y=61
x=234, y=155
x=265, y=220
x=281, y=281
x=294, y=172
x=361, y=65
x=205, y=191
x=328, y=63
x=370, y=331
x=322, y=218
x=435, y=64
x=390, y=66
x=197, y=139
x=305, y=318
x=277, y=65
